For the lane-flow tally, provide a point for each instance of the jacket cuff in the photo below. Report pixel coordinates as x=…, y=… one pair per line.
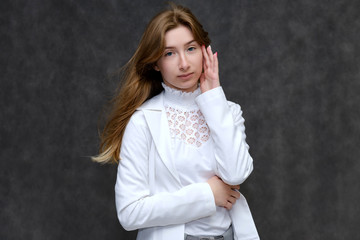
x=213, y=95
x=209, y=195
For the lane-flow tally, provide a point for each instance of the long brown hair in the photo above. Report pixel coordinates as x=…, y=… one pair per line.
x=140, y=81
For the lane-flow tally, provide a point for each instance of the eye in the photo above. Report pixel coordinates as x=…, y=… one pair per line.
x=190, y=49
x=168, y=54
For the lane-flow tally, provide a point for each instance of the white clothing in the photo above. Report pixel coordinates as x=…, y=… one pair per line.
x=194, y=151
x=150, y=195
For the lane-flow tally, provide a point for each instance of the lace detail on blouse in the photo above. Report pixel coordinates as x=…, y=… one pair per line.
x=186, y=121
x=189, y=126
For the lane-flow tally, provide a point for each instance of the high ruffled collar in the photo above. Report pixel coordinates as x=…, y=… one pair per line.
x=179, y=97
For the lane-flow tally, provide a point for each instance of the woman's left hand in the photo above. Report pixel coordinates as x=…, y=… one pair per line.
x=209, y=79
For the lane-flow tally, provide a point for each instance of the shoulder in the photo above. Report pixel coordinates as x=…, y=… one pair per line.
x=137, y=129
x=154, y=103
x=138, y=117
x=137, y=123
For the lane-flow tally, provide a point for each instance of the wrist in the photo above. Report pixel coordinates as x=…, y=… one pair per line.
x=209, y=87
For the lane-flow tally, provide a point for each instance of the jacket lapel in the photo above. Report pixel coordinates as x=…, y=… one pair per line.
x=156, y=119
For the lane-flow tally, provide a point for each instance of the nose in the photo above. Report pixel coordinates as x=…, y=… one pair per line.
x=183, y=62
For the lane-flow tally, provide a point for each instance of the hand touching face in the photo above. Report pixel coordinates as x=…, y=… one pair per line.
x=210, y=77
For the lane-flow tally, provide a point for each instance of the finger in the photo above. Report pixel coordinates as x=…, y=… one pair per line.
x=210, y=55
x=235, y=187
x=228, y=206
x=216, y=62
x=232, y=200
x=202, y=78
x=206, y=57
x=235, y=194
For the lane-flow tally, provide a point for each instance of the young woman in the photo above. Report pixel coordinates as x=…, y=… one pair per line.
x=179, y=144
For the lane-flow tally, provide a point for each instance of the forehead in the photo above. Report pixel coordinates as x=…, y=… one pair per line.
x=178, y=36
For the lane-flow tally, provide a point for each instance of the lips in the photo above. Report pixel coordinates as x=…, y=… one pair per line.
x=186, y=76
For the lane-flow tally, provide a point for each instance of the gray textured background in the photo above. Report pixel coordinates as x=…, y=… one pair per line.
x=293, y=66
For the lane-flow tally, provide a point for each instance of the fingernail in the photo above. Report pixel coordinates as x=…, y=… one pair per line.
x=216, y=54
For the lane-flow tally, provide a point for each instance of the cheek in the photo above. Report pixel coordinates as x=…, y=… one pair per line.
x=163, y=67
x=199, y=60
x=169, y=64
x=200, y=57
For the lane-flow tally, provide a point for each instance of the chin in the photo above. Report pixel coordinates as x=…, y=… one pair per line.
x=190, y=87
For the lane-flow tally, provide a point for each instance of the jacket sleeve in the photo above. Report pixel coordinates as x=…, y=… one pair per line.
x=136, y=206
x=234, y=163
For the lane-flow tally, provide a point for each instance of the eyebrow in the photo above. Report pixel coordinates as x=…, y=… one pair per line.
x=170, y=47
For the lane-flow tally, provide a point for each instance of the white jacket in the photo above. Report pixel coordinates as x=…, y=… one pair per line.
x=149, y=195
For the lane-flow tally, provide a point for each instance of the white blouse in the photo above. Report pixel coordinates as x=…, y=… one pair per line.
x=194, y=149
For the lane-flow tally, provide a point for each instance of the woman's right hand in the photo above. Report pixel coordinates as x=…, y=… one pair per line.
x=225, y=195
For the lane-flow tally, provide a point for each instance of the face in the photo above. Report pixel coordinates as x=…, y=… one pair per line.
x=181, y=62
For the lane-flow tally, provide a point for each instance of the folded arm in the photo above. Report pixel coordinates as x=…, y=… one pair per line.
x=136, y=206
x=234, y=163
